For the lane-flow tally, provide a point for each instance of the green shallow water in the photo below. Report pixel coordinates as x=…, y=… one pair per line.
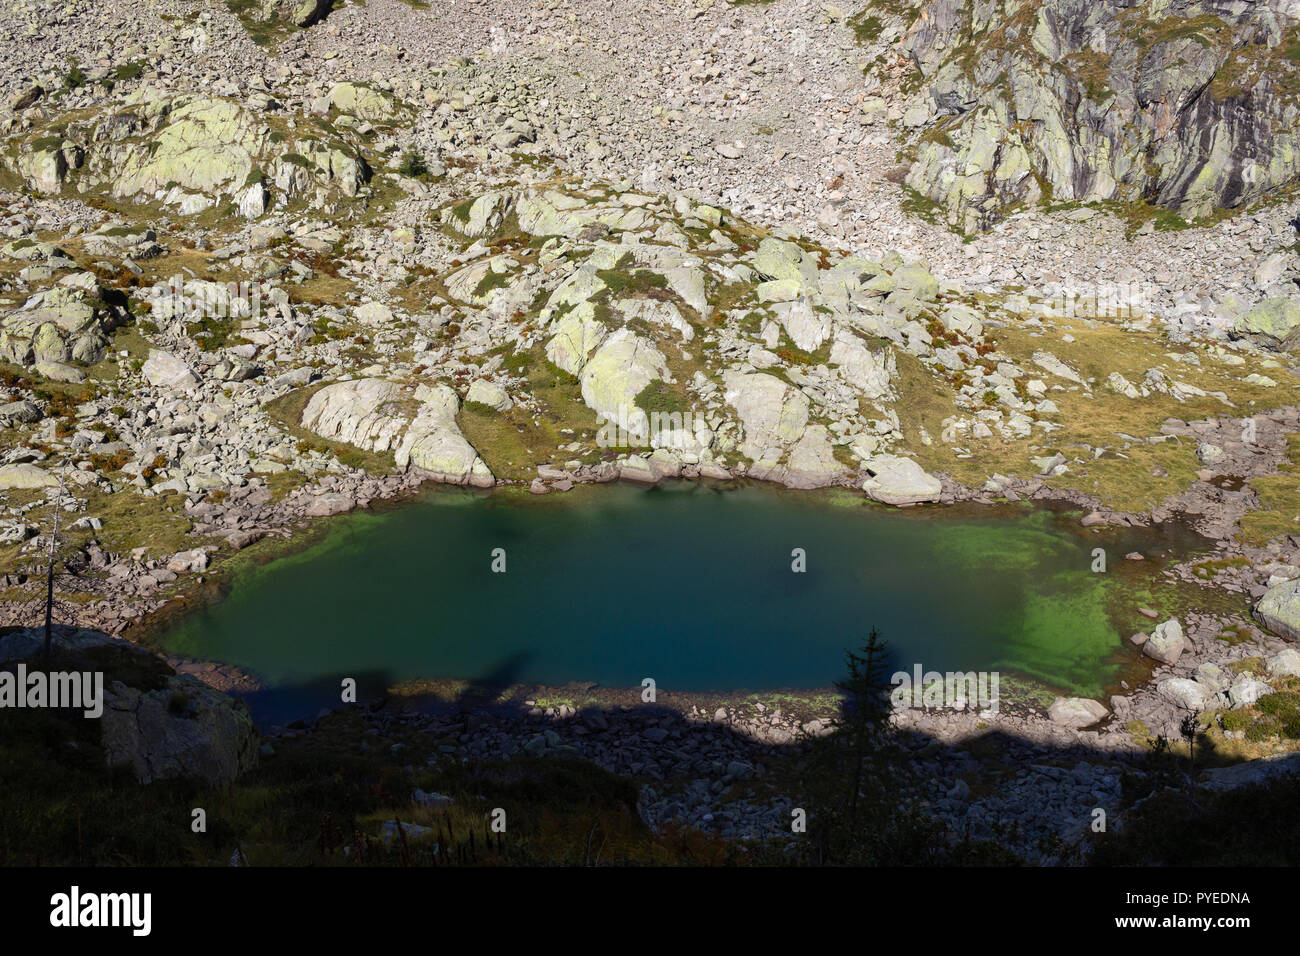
x=689, y=584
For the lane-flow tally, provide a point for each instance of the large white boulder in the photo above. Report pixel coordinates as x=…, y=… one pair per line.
x=1279, y=609
x=1166, y=643
x=165, y=370
x=433, y=441
x=895, y=480
x=1076, y=712
x=419, y=428
x=1185, y=693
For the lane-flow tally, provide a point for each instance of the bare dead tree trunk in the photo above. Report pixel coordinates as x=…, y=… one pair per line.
x=49, y=576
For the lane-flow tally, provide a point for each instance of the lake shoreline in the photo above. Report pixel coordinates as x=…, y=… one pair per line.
x=239, y=679
x=759, y=727
x=142, y=621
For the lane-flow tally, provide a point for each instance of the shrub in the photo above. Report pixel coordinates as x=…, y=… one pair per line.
x=413, y=165
x=74, y=78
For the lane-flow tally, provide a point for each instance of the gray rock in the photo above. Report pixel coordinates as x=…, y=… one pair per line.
x=1279, y=609
x=1209, y=454
x=1184, y=693
x=393, y=832
x=1076, y=712
x=1246, y=691
x=186, y=730
x=330, y=503
x=899, y=481
x=21, y=412
x=434, y=800
x=488, y=393
x=1166, y=643
x=1285, y=663
x=165, y=370
x=1252, y=772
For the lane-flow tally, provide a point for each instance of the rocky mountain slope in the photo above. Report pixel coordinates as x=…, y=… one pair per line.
x=253, y=275
x=1188, y=106
x=250, y=303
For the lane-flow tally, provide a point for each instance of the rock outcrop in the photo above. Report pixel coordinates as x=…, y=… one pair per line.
x=776, y=433
x=418, y=427
x=159, y=723
x=70, y=322
x=1189, y=105
x=192, y=153
x=1279, y=609
x=186, y=729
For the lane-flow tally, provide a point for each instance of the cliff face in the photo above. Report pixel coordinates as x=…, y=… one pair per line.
x=1187, y=104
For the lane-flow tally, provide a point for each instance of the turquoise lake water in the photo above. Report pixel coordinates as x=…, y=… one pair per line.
x=689, y=584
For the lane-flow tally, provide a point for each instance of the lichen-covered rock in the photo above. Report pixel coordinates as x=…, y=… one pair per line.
x=418, y=427
x=44, y=167
x=488, y=393
x=618, y=372
x=433, y=441
x=481, y=217
x=1279, y=609
x=780, y=259
x=365, y=102
x=895, y=480
x=777, y=436
x=577, y=333
x=67, y=323
x=1272, y=323
x=300, y=13
x=23, y=476
x=1190, y=104
x=772, y=413
x=192, y=152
